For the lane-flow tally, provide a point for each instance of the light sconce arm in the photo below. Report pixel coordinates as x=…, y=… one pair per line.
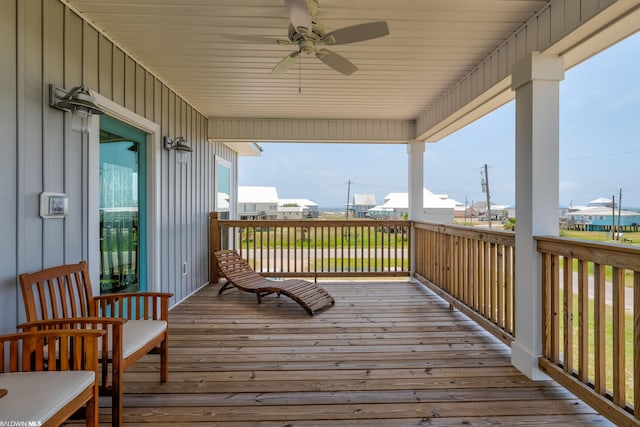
x=79, y=102
x=178, y=144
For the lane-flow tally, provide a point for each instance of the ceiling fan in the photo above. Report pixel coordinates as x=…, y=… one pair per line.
x=307, y=32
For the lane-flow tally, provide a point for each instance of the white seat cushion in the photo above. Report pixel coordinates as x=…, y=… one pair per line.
x=136, y=333
x=37, y=396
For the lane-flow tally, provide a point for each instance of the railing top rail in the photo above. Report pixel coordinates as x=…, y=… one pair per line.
x=493, y=236
x=315, y=223
x=614, y=254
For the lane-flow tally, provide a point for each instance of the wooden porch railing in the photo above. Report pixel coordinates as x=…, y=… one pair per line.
x=591, y=323
x=472, y=269
x=316, y=248
x=591, y=291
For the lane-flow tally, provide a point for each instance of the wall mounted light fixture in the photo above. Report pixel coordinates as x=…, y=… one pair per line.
x=79, y=102
x=180, y=146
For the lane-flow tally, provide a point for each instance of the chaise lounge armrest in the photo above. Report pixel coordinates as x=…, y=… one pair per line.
x=134, y=305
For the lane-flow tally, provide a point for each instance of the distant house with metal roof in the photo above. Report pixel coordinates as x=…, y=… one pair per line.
x=257, y=203
x=498, y=212
x=602, y=219
x=307, y=208
x=362, y=203
x=601, y=202
x=436, y=207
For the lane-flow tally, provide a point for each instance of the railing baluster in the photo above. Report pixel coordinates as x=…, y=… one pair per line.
x=619, y=397
x=500, y=284
x=636, y=343
x=486, y=268
x=268, y=251
x=508, y=291
x=547, y=290
x=583, y=321
x=567, y=271
x=555, y=308
x=599, y=332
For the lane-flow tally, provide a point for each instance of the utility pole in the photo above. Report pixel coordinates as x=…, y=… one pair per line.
x=619, y=212
x=346, y=212
x=613, y=217
x=465, y=210
x=485, y=189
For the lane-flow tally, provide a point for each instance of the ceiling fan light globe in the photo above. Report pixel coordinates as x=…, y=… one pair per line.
x=307, y=46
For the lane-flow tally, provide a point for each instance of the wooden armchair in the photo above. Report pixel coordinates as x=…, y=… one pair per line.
x=137, y=323
x=47, y=394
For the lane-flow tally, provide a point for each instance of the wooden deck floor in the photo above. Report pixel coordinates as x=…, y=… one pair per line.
x=387, y=354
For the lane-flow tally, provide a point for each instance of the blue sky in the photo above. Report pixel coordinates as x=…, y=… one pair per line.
x=599, y=148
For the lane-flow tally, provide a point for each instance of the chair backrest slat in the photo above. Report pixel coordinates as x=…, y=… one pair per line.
x=62, y=292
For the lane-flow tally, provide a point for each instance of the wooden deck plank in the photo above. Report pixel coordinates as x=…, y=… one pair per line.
x=576, y=420
x=288, y=412
x=387, y=354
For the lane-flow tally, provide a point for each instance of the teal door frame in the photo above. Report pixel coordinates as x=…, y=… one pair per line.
x=139, y=138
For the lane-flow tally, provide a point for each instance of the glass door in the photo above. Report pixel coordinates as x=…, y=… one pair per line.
x=223, y=196
x=122, y=207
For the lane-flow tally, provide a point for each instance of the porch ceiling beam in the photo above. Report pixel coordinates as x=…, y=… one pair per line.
x=573, y=29
x=304, y=130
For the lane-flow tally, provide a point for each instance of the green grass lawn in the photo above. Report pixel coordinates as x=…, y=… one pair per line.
x=602, y=236
x=348, y=237
x=343, y=264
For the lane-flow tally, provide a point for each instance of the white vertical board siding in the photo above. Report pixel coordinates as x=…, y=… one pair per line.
x=53, y=141
x=48, y=43
x=75, y=178
x=8, y=181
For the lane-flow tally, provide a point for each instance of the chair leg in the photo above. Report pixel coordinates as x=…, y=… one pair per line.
x=224, y=287
x=116, y=397
x=92, y=410
x=164, y=359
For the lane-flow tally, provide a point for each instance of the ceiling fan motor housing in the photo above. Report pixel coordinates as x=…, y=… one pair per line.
x=316, y=33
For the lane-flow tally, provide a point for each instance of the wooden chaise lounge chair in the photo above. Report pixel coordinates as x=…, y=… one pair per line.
x=238, y=273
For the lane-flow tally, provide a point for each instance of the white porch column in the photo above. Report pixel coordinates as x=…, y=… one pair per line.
x=536, y=80
x=416, y=180
x=416, y=193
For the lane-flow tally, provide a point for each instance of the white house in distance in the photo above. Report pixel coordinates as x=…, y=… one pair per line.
x=362, y=203
x=601, y=215
x=305, y=207
x=257, y=203
x=436, y=207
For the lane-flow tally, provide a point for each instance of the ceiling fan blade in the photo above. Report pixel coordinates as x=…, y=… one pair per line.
x=337, y=62
x=284, y=65
x=357, y=33
x=253, y=39
x=299, y=15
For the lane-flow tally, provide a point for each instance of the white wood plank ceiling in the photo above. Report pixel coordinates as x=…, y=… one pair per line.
x=432, y=45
